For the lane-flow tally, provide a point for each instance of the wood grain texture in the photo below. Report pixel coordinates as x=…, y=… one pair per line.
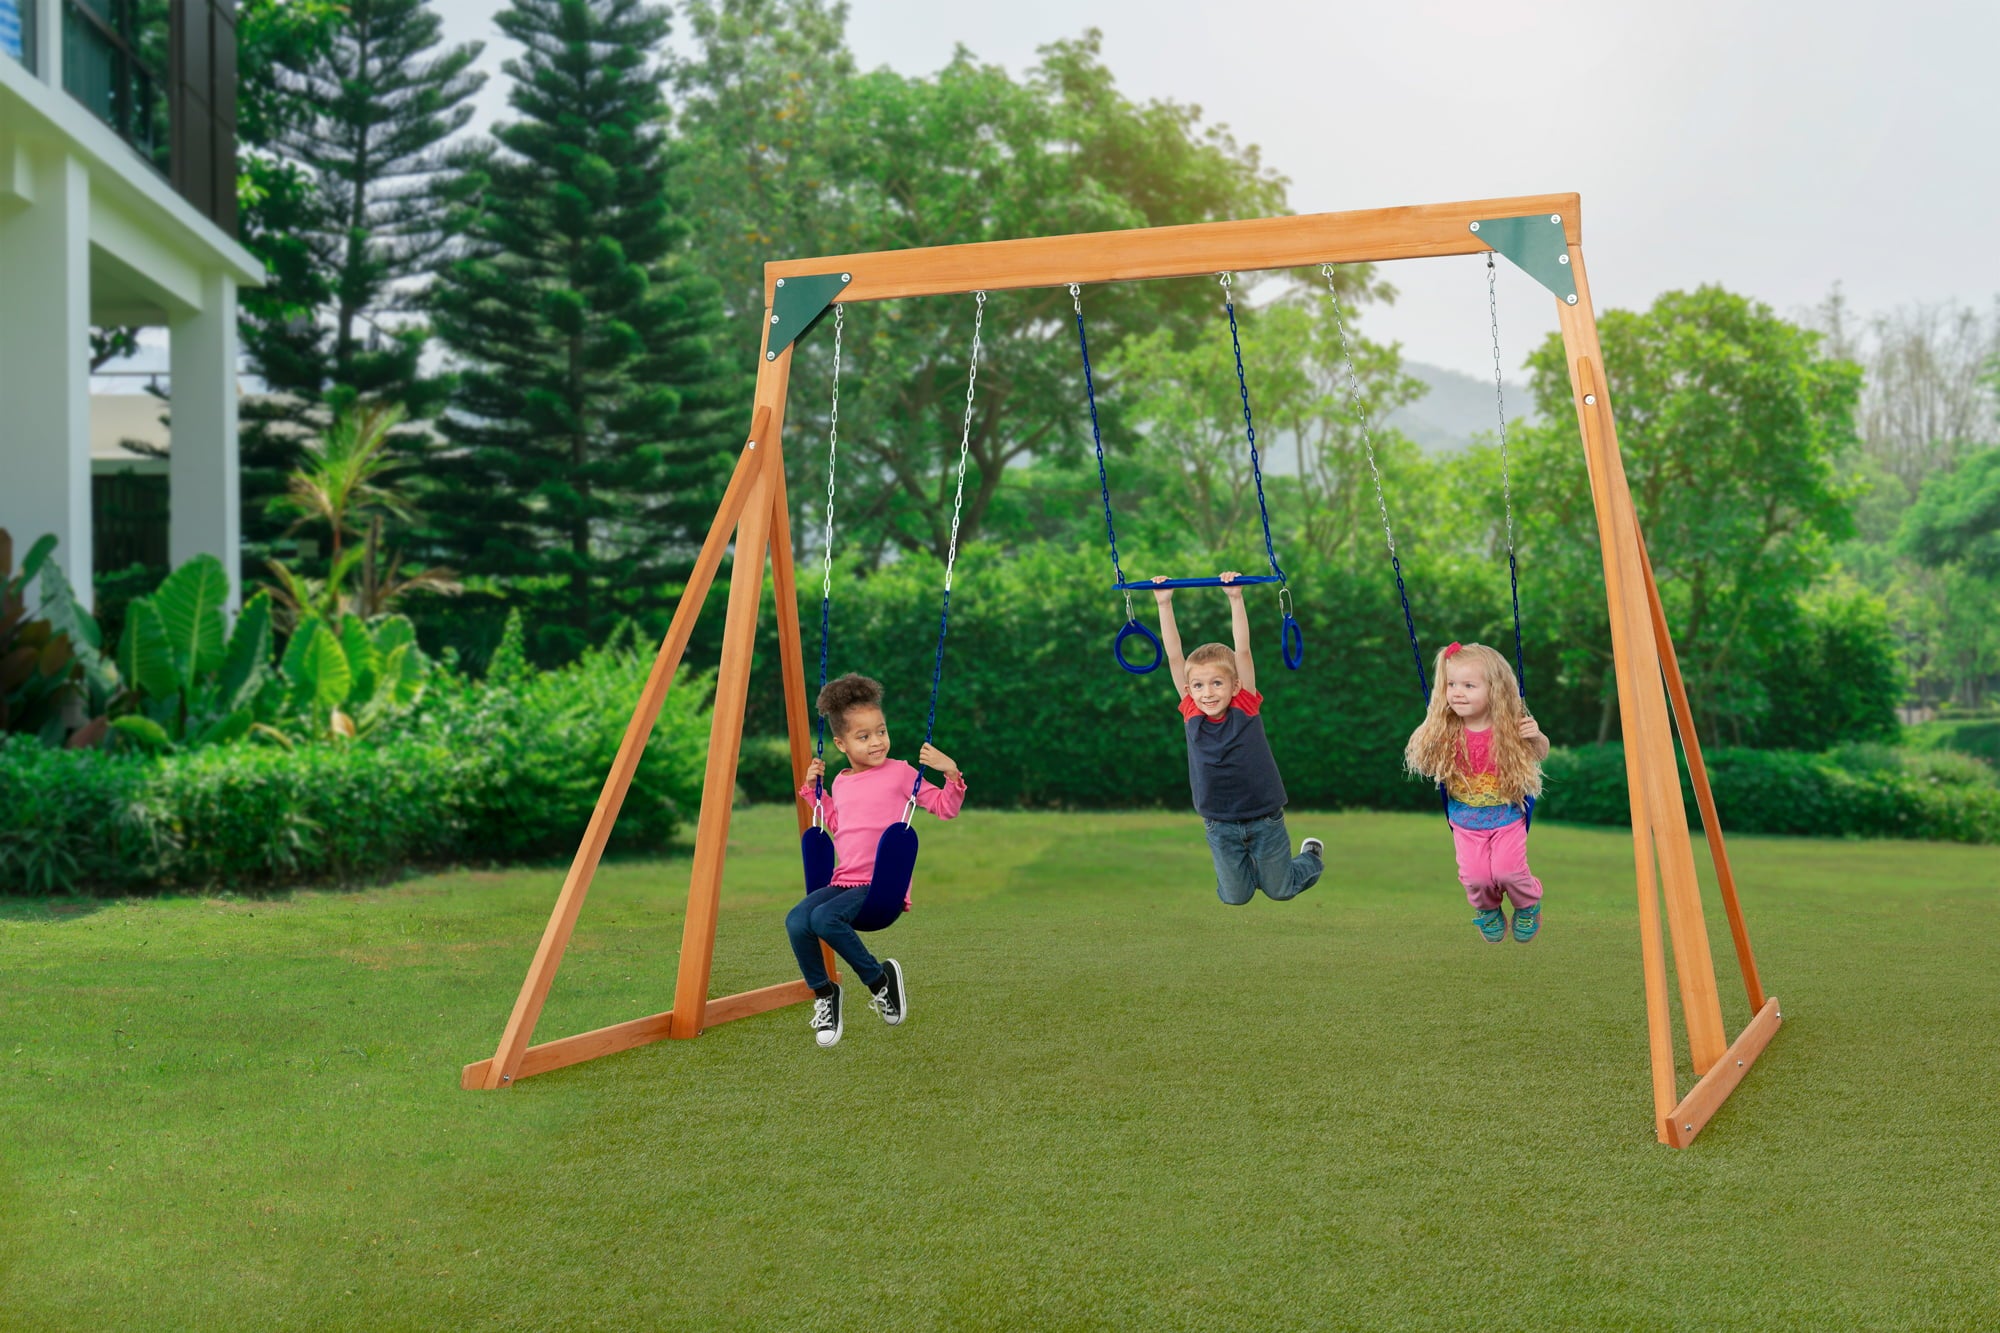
x=1587, y=389
x=1704, y=794
x=791, y=662
x=1643, y=713
x=520, y=1028
x=725, y=732
x=1413, y=232
x=565, y=1051
x=1706, y=1097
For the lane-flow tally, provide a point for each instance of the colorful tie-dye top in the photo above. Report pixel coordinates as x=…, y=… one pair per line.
x=1472, y=792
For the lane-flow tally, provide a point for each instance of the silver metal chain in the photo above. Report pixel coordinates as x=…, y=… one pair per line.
x=832, y=448
x=1500, y=396
x=965, y=438
x=1360, y=417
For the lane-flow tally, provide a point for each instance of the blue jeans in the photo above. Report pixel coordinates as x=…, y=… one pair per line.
x=828, y=914
x=1257, y=854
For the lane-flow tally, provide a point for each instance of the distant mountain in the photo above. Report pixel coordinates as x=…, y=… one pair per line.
x=1457, y=409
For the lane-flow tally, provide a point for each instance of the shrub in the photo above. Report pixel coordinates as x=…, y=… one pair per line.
x=764, y=770
x=506, y=771
x=70, y=818
x=1859, y=791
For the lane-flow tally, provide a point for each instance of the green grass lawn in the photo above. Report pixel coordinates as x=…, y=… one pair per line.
x=1117, y=1104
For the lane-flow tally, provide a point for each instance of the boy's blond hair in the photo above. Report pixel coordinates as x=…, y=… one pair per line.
x=1215, y=652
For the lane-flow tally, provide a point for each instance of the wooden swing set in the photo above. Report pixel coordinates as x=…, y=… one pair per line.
x=1541, y=234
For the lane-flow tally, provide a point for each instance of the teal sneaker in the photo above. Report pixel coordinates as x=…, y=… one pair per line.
x=1526, y=922
x=1492, y=923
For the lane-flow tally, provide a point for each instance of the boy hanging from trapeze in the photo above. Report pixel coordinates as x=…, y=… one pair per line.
x=1480, y=743
x=1235, y=780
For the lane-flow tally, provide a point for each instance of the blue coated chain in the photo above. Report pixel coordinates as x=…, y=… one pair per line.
x=1250, y=429
x=951, y=554
x=1097, y=438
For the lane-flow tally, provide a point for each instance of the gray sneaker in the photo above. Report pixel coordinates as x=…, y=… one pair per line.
x=1313, y=847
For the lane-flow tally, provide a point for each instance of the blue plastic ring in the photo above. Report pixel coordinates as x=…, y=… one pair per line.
x=1294, y=640
x=1133, y=627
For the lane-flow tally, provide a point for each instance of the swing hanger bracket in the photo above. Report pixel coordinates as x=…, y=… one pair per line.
x=796, y=305
x=1537, y=246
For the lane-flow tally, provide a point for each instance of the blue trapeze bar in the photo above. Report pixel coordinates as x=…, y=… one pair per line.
x=1142, y=585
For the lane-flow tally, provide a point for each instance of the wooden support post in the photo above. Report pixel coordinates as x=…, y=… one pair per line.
x=1649, y=747
x=791, y=660
x=1652, y=949
x=1704, y=794
x=725, y=733
x=505, y=1065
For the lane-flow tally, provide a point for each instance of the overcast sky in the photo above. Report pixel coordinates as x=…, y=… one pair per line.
x=1773, y=146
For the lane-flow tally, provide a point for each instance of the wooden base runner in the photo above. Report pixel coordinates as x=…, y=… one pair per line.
x=565, y=1051
x=1706, y=1097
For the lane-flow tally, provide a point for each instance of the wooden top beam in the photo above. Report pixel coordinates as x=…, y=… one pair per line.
x=1414, y=232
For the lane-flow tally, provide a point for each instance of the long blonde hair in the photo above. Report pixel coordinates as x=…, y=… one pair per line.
x=1437, y=747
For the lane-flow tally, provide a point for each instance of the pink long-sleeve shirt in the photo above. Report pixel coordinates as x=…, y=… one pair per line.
x=862, y=802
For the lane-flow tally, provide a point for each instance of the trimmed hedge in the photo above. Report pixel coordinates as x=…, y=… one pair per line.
x=1860, y=791
x=505, y=772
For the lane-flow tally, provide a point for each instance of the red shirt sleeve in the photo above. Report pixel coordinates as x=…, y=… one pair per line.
x=1189, y=708
x=1248, y=701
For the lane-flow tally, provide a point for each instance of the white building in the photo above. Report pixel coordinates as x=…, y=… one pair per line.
x=118, y=207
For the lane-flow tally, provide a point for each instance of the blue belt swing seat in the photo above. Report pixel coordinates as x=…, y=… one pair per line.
x=1291, y=638
x=896, y=850
x=1382, y=504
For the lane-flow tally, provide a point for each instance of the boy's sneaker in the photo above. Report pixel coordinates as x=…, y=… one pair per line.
x=1527, y=921
x=889, y=999
x=825, y=1021
x=1313, y=847
x=1492, y=923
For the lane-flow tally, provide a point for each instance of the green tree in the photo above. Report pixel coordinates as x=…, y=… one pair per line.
x=277, y=199
x=793, y=158
x=1956, y=518
x=1732, y=426
x=376, y=107
x=592, y=426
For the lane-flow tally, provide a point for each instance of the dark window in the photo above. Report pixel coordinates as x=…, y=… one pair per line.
x=128, y=520
x=203, y=77
x=114, y=62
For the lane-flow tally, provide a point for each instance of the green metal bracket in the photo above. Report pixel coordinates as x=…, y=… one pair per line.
x=797, y=304
x=1538, y=248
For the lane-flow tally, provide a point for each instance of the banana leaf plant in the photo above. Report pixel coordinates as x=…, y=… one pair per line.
x=348, y=681
x=190, y=681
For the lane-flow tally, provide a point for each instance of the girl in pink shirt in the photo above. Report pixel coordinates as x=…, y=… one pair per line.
x=859, y=804
x=1480, y=741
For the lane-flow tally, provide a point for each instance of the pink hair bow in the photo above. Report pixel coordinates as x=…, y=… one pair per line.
x=1452, y=647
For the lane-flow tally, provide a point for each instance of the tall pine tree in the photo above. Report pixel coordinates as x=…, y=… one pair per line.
x=381, y=102
x=588, y=441
x=349, y=151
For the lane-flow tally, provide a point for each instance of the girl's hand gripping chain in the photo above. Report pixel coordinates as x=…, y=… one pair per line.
x=932, y=757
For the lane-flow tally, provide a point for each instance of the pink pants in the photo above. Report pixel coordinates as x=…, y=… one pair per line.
x=1494, y=862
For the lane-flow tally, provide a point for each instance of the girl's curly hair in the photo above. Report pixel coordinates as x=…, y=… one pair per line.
x=1437, y=747
x=839, y=697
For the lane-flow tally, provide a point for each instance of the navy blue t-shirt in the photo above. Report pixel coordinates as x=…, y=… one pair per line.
x=1230, y=766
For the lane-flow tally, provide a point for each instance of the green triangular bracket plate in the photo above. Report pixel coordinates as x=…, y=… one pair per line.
x=1538, y=248
x=797, y=303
